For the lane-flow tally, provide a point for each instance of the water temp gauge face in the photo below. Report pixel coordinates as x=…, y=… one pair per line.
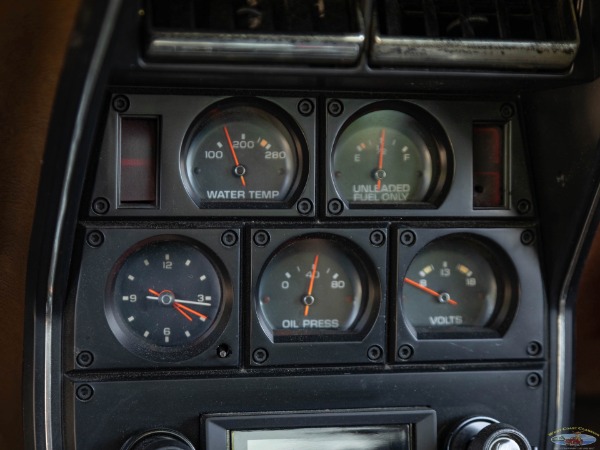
x=313, y=285
x=166, y=296
x=242, y=154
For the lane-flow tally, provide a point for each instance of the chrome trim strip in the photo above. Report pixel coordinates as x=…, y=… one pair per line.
x=474, y=53
x=345, y=49
x=561, y=351
x=84, y=105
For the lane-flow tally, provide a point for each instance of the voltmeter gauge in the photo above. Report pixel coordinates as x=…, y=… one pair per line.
x=165, y=298
x=455, y=283
x=316, y=286
x=243, y=154
x=390, y=157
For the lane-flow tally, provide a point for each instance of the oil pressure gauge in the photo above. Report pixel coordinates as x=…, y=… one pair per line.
x=165, y=298
x=319, y=287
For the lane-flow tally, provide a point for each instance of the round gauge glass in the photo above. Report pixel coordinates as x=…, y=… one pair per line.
x=315, y=286
x=387, y=157
x=456, y=283
x=242, y=154
x=165, y=298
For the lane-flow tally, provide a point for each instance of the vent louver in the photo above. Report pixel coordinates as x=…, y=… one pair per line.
x=298, y=31
x=500, y=34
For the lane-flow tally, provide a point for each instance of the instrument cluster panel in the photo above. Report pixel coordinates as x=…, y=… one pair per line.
x=305, y=157
x=265, y=232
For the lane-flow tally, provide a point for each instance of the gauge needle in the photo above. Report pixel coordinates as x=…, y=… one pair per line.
x=180, y=311
x=429, y=291
x=380, y=165
x=181, y=308
x=312, y=282
x=235, y=158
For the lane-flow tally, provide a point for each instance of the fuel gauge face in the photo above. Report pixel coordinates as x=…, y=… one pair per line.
x=315, y=286
x=165, y=298
x=388, y=157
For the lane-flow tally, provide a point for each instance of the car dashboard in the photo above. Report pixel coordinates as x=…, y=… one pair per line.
x=330, y=224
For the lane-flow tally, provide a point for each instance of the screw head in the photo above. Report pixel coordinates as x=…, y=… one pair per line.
x=377, y=238
x=85, y=359
x=95, y=238
x=120, y=103
x=408, y=238
x=229, y=238
x=335, y=107
x=223, y=351
x=260, y=355
x=84, y=392
x=533, y=380
x=527, y=237
x=304, y=206
x=507, y=111
x=306, y=107
x=100, y=206
x=534, y=348
x=335, y=207
x=261, y=238
x=523, y=206
x=374, y=352
x=405, y=352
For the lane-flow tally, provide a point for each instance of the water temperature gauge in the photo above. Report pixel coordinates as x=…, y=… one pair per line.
x=315, y=286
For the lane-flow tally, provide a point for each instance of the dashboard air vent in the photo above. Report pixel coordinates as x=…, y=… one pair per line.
x=293, y=31
x=500, y=34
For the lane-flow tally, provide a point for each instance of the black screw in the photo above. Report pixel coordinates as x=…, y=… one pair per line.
x=305, y=107
x=405, y=352
x=85, y=359
x=375, y=352
x=534, y=348
x=527, y=237
x=335, y=207
x=223, y=351
x=408, y=238
x=229, y=238
x=533, y=380
x=260, y=355
x=523, y=206
x=84, y=392
x=100, y=206
x=261, y=238
x=120, y=103
x=95, y=238
x=377, y=238
x=335, y=107
x=304, y=206
x=507, y=111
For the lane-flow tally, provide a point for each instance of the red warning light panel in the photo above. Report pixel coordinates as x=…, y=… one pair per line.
x=488, y=166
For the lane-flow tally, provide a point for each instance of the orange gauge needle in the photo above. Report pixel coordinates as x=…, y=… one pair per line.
x=380, y=165
x=312, y=283
x=182, y=308
x=153, y=292
x=235, y=158
x=180, y=311
x=429, y=291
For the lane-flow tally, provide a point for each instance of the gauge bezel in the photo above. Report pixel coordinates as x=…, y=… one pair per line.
x=319, y=346
x=523, y=324
x=133, y=342
x=507, y=292
x=280, y=117
x=427, y=127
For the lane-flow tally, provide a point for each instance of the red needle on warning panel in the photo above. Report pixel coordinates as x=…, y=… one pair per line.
x=429, y=291
x=235, y=158
x=312, y=283
x=380, y=165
